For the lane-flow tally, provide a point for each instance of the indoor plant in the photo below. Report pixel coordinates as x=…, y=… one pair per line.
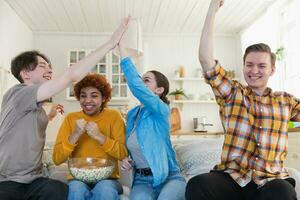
x=178, y=93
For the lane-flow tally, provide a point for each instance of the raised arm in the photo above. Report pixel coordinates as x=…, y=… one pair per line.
x=138, y=87
x=206, y=41
x=81, y=68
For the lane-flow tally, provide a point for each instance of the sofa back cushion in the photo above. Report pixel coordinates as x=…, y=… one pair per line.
x=198, y=156
x=59, y=172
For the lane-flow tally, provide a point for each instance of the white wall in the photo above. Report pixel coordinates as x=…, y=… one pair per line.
x=167, y=53
x=270, y=29
x=266, y=29
x=15, y=37
x=163, y=53
x=57, y=47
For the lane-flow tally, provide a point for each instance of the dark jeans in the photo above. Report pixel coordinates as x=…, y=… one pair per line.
x=220, y=186
x=39, y=189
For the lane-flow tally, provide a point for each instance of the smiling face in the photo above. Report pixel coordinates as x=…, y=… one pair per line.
x=150, y=82
x=257, y=70
x=41, y=74
x=90, y=100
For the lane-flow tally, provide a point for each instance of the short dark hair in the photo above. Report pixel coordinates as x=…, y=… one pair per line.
x=162, y=81
x=97, y=81
x=260, y=47
x=26, y=61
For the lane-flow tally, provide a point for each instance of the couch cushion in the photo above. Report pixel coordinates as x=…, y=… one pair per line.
x=198, y=157
x=295, y=174
x=47, y=154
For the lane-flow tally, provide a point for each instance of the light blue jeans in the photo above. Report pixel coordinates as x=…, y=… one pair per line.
x=172, y=189
x=103, y=190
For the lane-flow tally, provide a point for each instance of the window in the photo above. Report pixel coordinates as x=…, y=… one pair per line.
x=109, y=66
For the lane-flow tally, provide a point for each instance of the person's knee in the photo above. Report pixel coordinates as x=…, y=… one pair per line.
x=173, y=190
x=76, y=186
x=107, y=189
x=277, y=190
x=196, y=186
x=141, y=195
x=55, y=189
x=196, y=182
x=106, y=186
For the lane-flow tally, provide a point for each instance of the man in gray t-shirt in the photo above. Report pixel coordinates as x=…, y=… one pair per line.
x=22, y=135
x=23, y=121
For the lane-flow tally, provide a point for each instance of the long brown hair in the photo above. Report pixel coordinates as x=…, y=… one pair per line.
x=162, y=81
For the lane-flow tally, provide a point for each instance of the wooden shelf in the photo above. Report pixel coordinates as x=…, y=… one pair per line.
x=294, y=129
x=194, y=79
x=182, y=133
x=193, y=101
x=188, y=79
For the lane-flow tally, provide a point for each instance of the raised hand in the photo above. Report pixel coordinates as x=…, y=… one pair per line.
x=117, y=35
x=126, y=164
x=216, y=4
x=56, y=108
x=206, y=56
x=122, y=49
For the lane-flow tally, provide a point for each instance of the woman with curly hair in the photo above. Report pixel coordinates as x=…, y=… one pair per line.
x=96, y=131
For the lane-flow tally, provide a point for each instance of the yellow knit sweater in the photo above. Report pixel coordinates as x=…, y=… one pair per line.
x=110, y=123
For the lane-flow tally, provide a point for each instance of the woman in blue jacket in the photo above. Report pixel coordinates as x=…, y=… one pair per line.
x=152, y=157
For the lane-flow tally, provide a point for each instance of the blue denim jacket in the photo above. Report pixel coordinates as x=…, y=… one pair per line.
x=152, y=126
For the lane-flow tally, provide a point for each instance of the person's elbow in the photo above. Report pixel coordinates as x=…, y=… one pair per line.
x=203, y=56
x=123, y=153
x=203, y=59
x=56, y=160
x=206, y=63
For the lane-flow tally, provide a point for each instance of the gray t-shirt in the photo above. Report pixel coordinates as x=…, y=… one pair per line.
x=22, y=134
x=136, y=152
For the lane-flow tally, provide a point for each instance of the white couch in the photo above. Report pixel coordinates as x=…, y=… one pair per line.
x=195, y=156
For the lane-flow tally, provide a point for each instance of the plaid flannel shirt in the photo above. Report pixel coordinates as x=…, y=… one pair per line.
x=256, y=129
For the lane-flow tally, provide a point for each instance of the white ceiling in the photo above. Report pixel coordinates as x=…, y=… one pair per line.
x=157, y=16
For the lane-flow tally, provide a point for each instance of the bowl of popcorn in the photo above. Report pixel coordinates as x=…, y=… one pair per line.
x=90, y=170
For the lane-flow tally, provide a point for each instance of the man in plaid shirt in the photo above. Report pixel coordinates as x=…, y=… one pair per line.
x=255, y=120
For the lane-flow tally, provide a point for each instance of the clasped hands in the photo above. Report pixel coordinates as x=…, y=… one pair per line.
x=91, y=128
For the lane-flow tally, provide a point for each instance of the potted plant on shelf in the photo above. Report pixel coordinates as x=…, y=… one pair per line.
x=280, y=53
x=178, y=93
